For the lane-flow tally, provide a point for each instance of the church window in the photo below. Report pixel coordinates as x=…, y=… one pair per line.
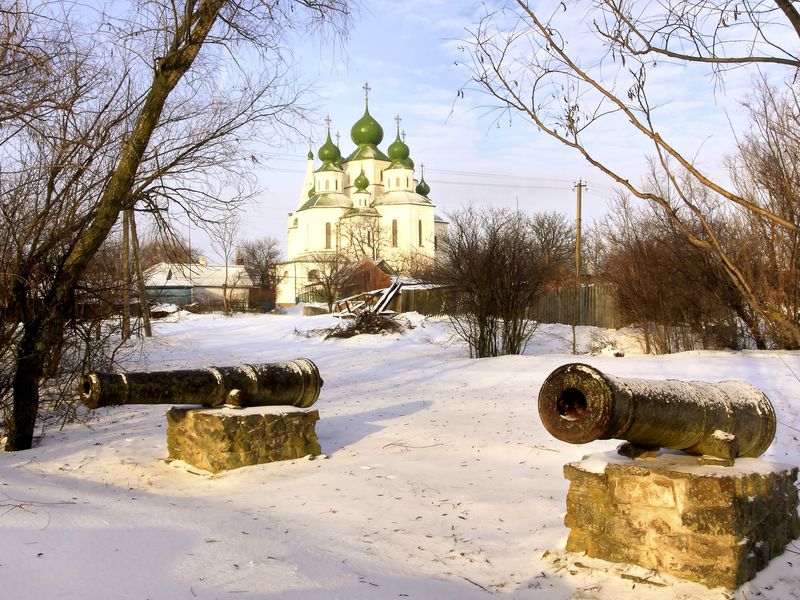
x=327, y=236
x=407, y=182
x=295, y=221
x=327, y=185
x=419, y=230
x=336, y=185
x=436, y=242
x=394, y=233
x=396, y=182
x=369, y=238
x=313, y=275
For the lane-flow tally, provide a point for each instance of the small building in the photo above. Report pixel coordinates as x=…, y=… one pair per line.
x=198, y=283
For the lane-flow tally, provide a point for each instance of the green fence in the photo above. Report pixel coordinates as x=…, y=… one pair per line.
x=597, y=305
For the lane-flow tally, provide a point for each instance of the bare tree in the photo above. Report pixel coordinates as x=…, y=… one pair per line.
x=332, y=273
x=260, y=258
x=361, y=234
x=498, y=262
x=675, y=293
x=126, y=125
x=166, y=245
x=224, y=237
x=521, y=57
x=766, y=170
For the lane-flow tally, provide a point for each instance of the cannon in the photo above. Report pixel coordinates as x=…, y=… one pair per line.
x=579, y=404
x=295, y=383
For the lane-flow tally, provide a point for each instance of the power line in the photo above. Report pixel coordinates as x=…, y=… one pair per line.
x=538, y=186
x=526, y=181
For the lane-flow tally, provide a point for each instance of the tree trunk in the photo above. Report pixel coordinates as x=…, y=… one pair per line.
x=752, y=326
x=143, y=306
x=126, y=274
x=30, y=366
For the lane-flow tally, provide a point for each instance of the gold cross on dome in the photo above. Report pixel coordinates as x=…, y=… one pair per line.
x=397, y=120
x=328, y=122
x=366, y=89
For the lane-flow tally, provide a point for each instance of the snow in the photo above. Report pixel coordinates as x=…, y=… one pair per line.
x=437, y=479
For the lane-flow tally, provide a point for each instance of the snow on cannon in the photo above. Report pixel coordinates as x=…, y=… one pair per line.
x=296, y=383
x=579, y=404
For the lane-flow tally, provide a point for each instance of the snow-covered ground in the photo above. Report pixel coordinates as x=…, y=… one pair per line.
x=437, y=481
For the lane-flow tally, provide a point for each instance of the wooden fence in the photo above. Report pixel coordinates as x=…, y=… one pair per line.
x=597, y=306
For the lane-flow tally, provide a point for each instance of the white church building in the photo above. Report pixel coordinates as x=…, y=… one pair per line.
x=367, y=206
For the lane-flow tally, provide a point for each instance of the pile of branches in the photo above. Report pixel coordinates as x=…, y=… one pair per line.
x=366, y=322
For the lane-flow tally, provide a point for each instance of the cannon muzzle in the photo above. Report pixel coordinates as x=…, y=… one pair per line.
x=579, y=404
x=295, y=383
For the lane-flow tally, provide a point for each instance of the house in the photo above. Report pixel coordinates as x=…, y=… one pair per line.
x=198, y=283
x=368, y=206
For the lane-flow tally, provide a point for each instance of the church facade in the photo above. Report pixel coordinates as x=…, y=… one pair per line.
x=367, y=206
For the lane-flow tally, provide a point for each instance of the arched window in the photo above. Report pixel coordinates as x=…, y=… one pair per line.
x=328, y=236
x=336, y=185
x=313, y=275
x=394, y=233
x=407, y=182
x=327, y=185
x=397, y=182
x=419, y=230
x=295, y=221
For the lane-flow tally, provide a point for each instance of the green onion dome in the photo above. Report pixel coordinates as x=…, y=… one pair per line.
x=423, y=189
x=361, y=182
x=398, y=151
x=367, y=130
x=310, y=155
x=329, y=152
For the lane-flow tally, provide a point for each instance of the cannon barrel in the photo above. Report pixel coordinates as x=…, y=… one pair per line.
x=295, y=383
x=579, y=404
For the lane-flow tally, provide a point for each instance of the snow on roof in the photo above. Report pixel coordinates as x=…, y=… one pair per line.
x=196, y=275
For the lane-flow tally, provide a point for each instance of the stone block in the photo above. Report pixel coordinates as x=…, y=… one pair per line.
x=712, y=524
x=221, y=439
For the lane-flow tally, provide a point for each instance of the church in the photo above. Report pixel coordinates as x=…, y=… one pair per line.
x=366, y=207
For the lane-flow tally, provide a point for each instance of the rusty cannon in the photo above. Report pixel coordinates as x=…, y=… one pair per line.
x=579, y=404
x=296, y=383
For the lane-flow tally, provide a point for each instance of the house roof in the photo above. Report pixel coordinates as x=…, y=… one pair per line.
x=195, y=275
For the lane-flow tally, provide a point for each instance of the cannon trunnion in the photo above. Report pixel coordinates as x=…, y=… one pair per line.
x=579, y=404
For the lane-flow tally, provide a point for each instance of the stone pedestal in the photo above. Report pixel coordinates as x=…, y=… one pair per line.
x=221, y=439
x=715, y=525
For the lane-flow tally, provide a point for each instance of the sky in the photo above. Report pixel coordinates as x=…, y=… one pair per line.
x=409, y=54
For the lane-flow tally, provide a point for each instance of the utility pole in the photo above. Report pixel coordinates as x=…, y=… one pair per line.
x=145, y=310
x=579, y=187
x=126, y=276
